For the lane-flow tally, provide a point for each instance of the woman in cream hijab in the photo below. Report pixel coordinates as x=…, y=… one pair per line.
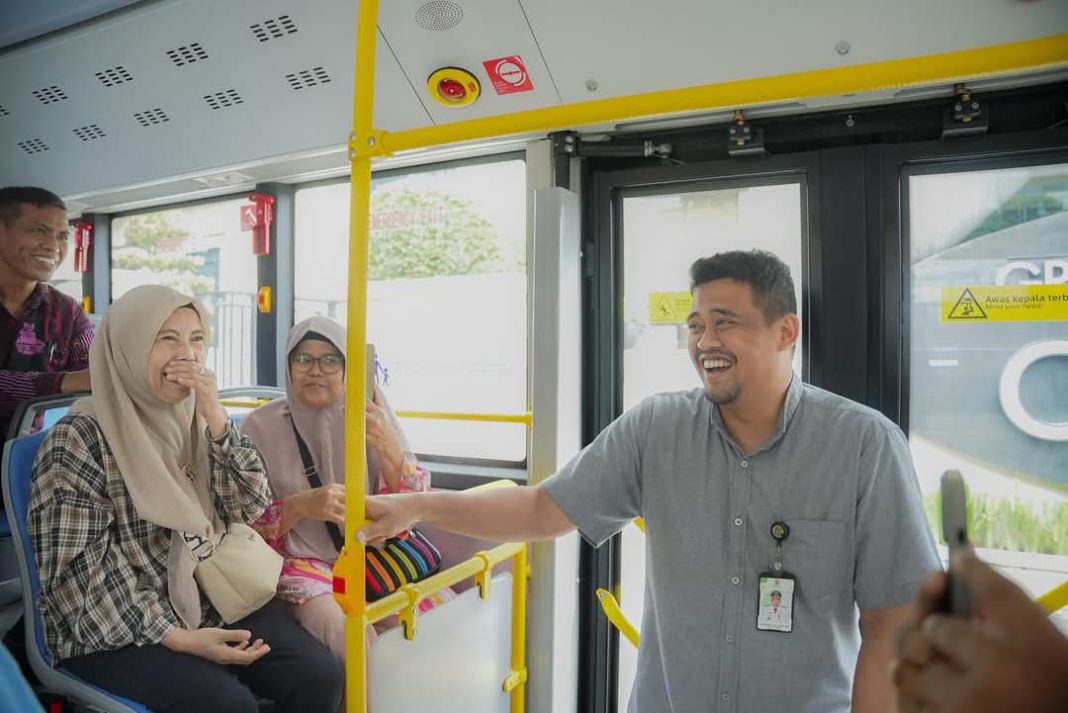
x=132, y=491
x=303, y=523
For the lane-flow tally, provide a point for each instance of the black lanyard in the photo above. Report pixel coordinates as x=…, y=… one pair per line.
x=312, y=474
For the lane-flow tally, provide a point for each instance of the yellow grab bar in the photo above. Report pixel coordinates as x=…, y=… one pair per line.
x=460, y=416
x=1055, y=599
x=616, y=616
x=243, y=403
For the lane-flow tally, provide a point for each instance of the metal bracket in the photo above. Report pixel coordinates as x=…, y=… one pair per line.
x=744, y=139
x=967, y=116
x=370, y=146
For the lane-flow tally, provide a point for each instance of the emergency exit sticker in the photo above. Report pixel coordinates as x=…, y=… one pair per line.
x=1005, y=303
x=508, y=74
x=248, y=217
x=669, y=307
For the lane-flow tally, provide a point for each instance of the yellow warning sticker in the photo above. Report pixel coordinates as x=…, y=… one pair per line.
x=1005, y=303
x=669, y=307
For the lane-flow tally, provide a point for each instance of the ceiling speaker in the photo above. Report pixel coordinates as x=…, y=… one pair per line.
x=439, y=15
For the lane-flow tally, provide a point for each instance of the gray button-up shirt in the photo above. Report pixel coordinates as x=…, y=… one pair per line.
x=838, y=473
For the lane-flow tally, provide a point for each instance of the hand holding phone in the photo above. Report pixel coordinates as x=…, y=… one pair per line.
x=955, y=530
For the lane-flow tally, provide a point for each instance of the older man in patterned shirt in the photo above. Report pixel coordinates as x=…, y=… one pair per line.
x=44, y=335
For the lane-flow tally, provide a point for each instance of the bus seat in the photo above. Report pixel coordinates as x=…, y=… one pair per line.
x=10, y=583
x=15, y=472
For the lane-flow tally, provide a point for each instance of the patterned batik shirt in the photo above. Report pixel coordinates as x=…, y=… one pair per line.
x=104, y=569
x=51, y=338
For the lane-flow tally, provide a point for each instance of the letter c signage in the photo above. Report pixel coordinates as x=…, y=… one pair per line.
x=1009, y=391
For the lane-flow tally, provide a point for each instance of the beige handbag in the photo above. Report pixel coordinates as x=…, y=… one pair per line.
x=241, y=575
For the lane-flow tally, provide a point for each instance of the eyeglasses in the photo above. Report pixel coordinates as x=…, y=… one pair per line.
x=329, y=364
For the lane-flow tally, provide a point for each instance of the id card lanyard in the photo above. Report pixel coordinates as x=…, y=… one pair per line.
x=775, y=595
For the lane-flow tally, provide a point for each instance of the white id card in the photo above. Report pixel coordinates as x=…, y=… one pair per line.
x=775, y=606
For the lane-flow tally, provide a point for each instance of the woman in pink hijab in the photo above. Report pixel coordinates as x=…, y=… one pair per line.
x=306, y=520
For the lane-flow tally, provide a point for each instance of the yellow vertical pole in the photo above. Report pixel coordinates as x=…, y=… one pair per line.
x=349, y=569
x=520, y=573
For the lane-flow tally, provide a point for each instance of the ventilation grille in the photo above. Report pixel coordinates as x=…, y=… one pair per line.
x=439, y=15
x=113, y=76
x=223, y=99
x=89, y=133
x=4, y=111
x=151, y=117
x=187, y=54
x=32, y=146
x=49, y=95
x=273, y=29
x=306, y=78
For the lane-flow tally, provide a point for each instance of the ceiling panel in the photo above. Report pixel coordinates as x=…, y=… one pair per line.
x=486, y=30
x=21, y=20
x=160, y=92
x=643, y=46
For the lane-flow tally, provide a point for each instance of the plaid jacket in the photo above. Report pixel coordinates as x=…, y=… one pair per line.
x=104, y=569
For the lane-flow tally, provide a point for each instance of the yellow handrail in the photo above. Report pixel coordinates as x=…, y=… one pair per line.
x=946, y=67
x=1055, y=599
x=243, y=403
x=460, y=416
x=615, y=615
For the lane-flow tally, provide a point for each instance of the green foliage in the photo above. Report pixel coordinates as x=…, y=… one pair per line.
x=1005, y=524
x=441, y=235
x=150, y=229
x=156, y=263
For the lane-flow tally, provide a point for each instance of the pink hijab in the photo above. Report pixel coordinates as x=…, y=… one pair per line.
x=271, y=428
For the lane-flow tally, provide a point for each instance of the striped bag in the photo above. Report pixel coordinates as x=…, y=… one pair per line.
x=404, y=559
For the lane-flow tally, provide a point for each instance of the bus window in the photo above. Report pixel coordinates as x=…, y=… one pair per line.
x=446, y=296
x=200, y=250
x=989, y=388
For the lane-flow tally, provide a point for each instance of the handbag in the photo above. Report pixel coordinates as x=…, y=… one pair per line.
x=241, y=574
x=403, y=559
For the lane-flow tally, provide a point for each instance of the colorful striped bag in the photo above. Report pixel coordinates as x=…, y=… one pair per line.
x=404, y=559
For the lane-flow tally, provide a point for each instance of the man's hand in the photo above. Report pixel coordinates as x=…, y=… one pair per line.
x=1011, y=658
x=387, y=515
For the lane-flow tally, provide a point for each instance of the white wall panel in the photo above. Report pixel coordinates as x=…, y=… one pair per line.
x=631, y=46
x=490, y=29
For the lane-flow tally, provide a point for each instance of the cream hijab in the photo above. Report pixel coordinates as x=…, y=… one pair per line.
x=271, y=428
x=153, y=442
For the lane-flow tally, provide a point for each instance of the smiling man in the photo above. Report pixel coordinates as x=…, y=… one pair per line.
x=753, y=485
x=44, y=336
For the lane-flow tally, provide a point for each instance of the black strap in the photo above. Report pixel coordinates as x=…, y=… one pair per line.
x=312, y=473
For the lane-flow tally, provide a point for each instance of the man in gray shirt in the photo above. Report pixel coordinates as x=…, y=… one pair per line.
x=753, y=486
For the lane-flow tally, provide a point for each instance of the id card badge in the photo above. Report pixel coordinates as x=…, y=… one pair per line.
x=775, y=605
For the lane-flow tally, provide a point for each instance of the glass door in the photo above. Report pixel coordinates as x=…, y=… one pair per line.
x=988, y=345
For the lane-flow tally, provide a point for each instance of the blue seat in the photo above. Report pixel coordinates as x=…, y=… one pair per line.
x=15, y=476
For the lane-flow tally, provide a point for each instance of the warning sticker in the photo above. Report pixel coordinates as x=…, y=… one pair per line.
x=669, y=307
x=508, y=74
x=1005, y=303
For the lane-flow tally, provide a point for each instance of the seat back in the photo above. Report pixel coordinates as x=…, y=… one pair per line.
x=16, y=476
x=40, y=413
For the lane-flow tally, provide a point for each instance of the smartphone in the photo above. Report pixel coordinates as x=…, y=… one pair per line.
x=369, y=373
x=955, y=530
